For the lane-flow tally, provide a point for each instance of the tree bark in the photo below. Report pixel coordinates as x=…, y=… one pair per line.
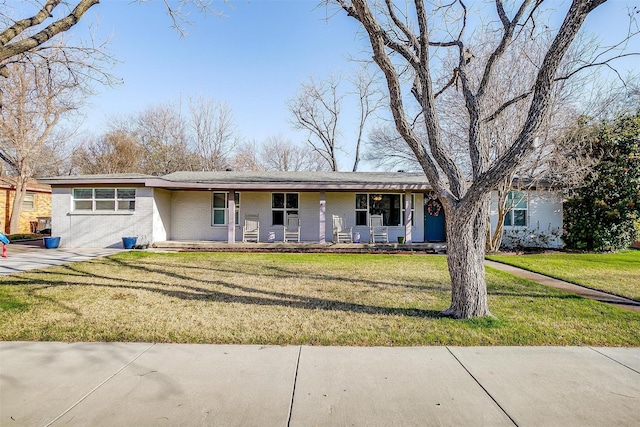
x=16, y=208
x=465, y=258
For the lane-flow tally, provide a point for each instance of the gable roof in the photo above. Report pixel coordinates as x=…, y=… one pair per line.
x=231, y=180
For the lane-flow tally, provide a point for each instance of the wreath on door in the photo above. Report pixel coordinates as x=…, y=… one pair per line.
x=434, y=207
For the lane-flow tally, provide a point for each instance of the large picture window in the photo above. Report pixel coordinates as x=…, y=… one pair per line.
x=516, y=209
x=220, y=208
x=390, y=206
x=283, y=204
x=104, y=199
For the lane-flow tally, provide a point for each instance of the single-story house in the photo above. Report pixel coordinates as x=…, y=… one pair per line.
x=98, y=210
x=36, y=207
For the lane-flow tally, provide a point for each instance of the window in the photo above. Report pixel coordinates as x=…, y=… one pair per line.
x=388, y=205
x=283, y=204
x=104, y=199
x=220, y=208
x=29, y=202
x=516, y=209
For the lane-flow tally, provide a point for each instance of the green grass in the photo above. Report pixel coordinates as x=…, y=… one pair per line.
x=617, y=273
x=314, y=299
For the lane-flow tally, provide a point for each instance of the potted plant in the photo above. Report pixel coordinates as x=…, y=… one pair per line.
x=129, y=242
x=51, y=242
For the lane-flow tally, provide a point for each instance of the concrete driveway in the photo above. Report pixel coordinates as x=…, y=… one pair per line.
x=30, y=257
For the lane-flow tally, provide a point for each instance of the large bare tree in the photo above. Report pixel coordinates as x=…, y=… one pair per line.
x=279, y=154
x=161, y=132
x=117, y=151
x=214, y=132
x=38, y=94
x=408, y=44
x=316, y=109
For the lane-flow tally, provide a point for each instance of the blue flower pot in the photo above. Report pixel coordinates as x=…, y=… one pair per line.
x=129, y=242
x=51, y=242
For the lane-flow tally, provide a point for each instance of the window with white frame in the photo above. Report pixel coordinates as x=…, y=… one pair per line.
x=390, y=206
x=29, y=202
x=104, y=199
x=220, y=208
x=282, y=205
x=516, y=207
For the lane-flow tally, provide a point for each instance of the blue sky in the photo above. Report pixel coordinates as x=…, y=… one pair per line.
x=254, y=58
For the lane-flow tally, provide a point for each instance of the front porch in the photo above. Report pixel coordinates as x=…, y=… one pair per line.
x=211, y=246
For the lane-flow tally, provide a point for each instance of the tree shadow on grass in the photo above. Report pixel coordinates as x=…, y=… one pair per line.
x=187, y=292
x=279, y=272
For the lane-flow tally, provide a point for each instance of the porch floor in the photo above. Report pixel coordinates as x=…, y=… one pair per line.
x=205, y=245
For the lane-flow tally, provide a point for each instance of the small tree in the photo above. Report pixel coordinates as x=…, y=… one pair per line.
x=601, y=214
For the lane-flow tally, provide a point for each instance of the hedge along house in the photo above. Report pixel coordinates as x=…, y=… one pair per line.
x=98, y=210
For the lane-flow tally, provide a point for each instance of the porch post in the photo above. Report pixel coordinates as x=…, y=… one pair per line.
x=407, y=216
x=231, y=215
x=323, y=230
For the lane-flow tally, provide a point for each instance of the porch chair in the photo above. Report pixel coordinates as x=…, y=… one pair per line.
x=341, y=233
x=378, y=231
x=251, y=228
x=292, y=229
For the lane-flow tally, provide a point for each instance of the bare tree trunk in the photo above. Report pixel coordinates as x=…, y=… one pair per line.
x=16, y=209
x=465, y=258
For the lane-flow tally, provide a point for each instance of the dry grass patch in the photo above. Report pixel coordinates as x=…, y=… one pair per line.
x=317, y=299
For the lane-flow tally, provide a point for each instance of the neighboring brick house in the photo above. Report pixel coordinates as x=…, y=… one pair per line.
x=36, y=205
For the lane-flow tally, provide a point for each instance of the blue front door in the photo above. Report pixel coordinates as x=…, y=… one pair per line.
x=434, y=228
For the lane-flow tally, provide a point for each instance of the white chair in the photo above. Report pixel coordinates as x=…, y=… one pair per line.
x=341, y=233
x=292, y=229
x=251, y=228
x=378, y=231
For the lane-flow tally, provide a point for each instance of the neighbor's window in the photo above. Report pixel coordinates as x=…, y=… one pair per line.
x=104, y=199
x=219, y=208
x=516, y=209
x=283, y=204
x=29, y=202
x=390, y=206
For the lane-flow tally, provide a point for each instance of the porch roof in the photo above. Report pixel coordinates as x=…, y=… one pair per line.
x=231, y=180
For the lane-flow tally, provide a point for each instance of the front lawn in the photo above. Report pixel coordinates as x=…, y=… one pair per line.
x=617, y=273
x=314, y=299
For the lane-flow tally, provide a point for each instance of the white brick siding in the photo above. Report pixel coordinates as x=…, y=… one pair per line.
x=544, y=221
x=99, y=229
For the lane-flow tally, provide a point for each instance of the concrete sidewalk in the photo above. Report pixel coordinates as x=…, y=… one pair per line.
x=27, y=257
x=618, y=301
x=117, y=384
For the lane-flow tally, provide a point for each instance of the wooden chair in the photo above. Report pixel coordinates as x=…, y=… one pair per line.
x=378, y=231
x=251, y=228
x=292, y=229
x=341, y=233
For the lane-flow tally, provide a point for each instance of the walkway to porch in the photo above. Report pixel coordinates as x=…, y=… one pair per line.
x=205, y=245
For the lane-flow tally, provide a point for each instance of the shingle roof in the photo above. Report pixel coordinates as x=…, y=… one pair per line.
x=298, y=177
x=312, y=181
